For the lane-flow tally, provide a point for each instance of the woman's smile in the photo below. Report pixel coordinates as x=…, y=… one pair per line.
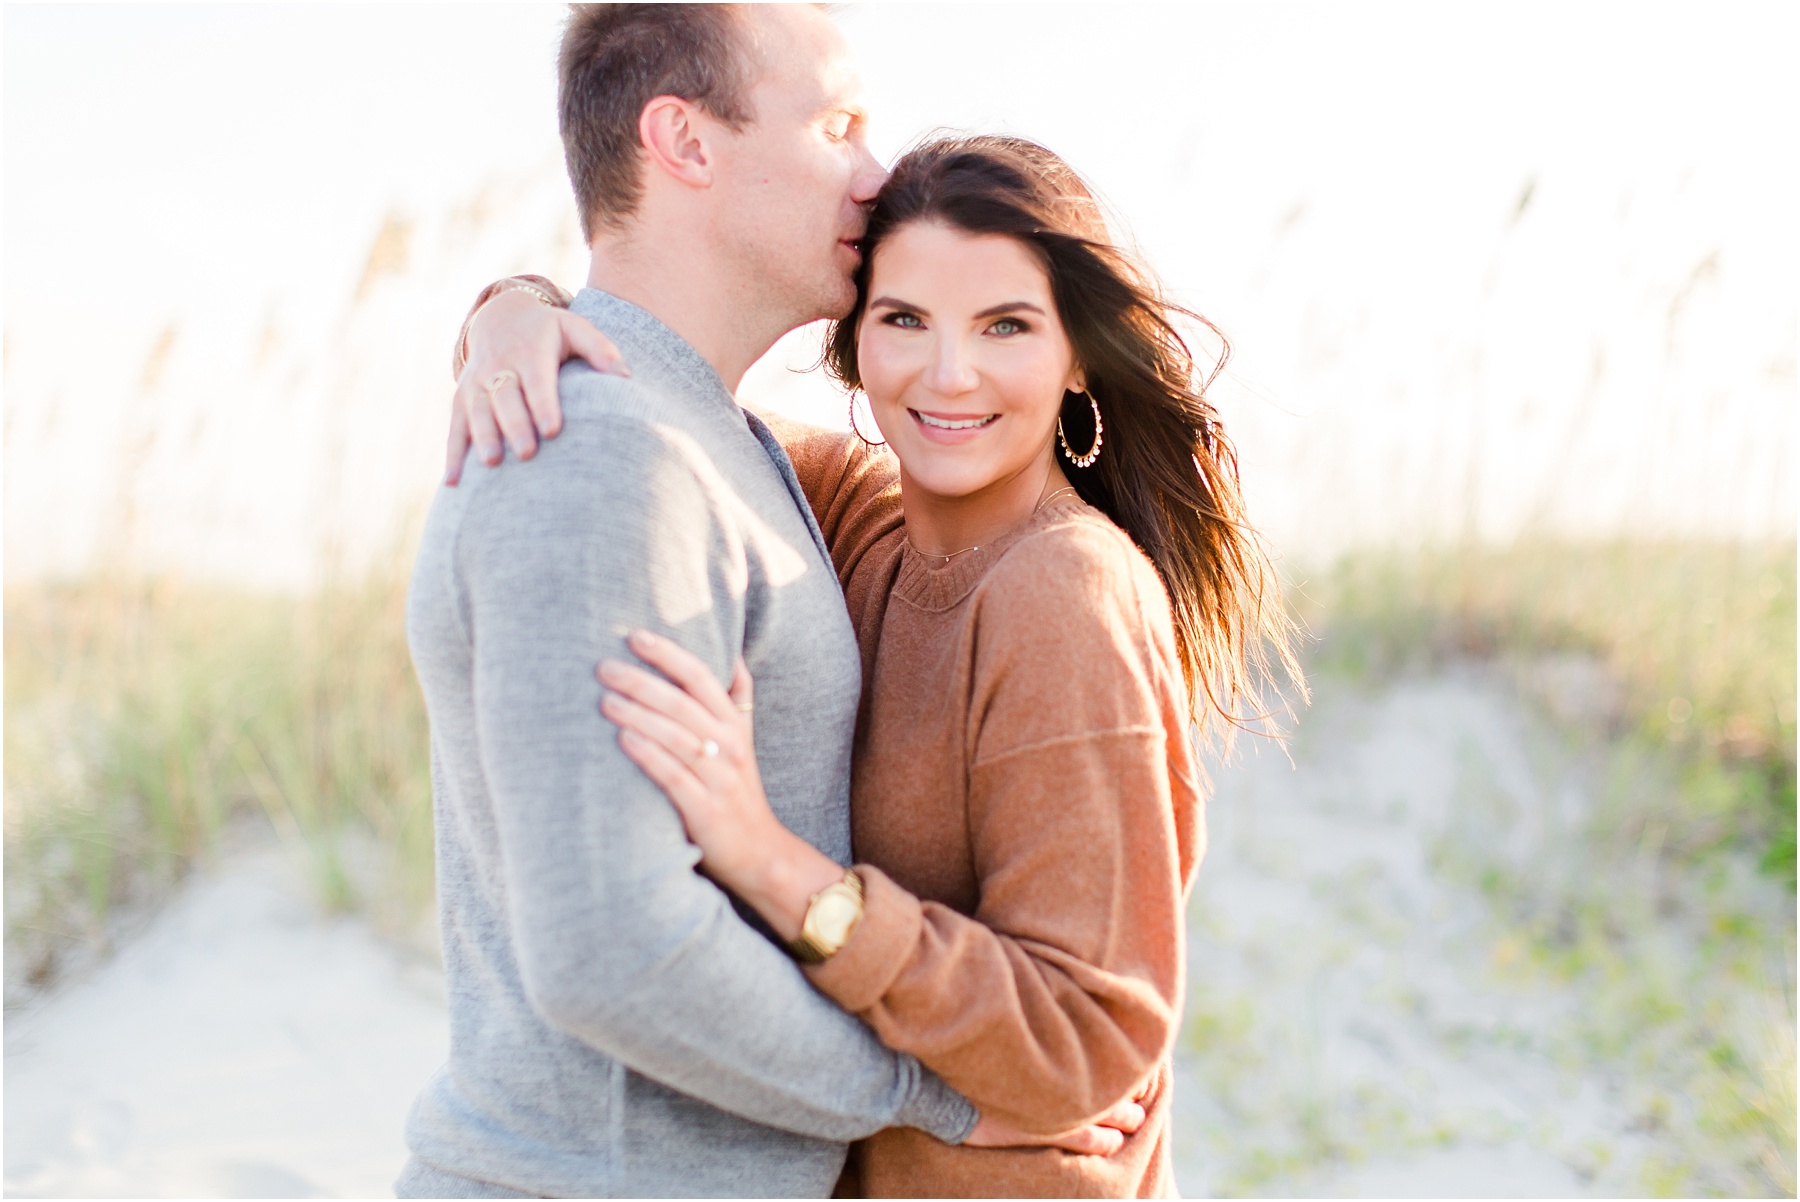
x=951, y=429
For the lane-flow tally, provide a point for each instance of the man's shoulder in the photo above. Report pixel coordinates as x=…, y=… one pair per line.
x=618, y=458
x=614, y=430
x=596, y=399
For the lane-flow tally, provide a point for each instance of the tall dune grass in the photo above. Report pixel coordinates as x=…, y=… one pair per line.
x=1697, y=640
x=144, y=717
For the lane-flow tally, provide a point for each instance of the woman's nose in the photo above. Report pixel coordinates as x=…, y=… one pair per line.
x=952, y=371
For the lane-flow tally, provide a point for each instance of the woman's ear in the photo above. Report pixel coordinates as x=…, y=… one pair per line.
x=673, y=135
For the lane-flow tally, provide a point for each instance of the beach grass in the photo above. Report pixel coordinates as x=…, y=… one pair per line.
x=1696, y=641
x=147, y=718
x=142, y=715
x=1669, y=671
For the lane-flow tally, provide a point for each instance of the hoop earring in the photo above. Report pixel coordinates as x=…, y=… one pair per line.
x=1088, y=459
x=859, y=433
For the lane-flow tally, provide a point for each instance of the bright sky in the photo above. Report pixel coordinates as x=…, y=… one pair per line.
x=1485, y=267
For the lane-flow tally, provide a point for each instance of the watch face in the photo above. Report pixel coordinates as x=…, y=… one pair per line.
x=833, y=916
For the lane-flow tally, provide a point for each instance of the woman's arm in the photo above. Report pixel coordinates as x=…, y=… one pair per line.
x=1058, y=997
x=1062, y=991
x=516, y=336
x=694, y=740
x=519, y=332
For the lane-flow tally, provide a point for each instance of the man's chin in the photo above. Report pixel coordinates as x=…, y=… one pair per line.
x=836, y=304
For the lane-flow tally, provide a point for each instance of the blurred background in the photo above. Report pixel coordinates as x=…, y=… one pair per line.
x=1512, y=297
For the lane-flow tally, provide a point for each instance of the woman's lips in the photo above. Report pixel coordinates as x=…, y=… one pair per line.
x=952, y=428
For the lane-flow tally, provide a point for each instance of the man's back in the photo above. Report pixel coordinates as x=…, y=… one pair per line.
x=599, y=989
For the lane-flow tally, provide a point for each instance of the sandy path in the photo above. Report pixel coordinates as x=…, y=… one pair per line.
x=242, y=1046
x=1344, y=1007
x=1350, y=1029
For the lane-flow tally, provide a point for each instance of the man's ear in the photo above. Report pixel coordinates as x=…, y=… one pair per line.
x=674, y=135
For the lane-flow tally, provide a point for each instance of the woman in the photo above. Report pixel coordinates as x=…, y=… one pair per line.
x=1060, y=584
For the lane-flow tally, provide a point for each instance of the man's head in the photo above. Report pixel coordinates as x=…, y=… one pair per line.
x=737, y=127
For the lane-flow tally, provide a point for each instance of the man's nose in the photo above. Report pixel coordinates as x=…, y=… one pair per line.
x=870, y=175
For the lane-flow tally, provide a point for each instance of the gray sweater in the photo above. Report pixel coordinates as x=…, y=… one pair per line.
x=617, y=1026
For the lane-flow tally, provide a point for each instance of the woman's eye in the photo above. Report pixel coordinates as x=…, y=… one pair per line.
x=1006, y=327
x=906, y=321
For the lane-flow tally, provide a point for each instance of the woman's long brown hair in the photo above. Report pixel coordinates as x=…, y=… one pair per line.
x=1167, y=475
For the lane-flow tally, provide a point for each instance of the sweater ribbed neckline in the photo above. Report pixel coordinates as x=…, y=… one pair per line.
x=941, y=586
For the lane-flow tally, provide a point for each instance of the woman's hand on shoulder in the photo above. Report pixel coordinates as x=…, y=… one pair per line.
x=506, y=394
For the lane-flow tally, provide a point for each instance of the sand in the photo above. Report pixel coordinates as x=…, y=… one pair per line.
x=245, y=1045
x=1351, y=1028
x=1351, y=1031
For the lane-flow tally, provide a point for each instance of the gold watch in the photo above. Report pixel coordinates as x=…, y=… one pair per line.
x=831, y=917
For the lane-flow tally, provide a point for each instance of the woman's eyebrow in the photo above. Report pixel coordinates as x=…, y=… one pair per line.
x=1008, y=307
x=889, y=302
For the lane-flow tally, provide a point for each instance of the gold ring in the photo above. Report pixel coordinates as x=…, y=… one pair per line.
x=744, y=707
x=501, y=380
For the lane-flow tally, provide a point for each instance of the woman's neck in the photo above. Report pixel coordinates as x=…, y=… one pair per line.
x=942, y=527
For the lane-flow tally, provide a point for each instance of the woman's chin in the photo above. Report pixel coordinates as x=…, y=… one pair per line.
x=948, y=482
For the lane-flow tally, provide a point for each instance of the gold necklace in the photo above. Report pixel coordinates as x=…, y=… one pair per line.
x=947, y=558
x=935, y=555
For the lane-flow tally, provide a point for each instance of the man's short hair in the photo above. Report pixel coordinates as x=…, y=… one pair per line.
x=615, y=59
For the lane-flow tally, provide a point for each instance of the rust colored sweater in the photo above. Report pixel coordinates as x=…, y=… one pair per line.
x=1027, y=817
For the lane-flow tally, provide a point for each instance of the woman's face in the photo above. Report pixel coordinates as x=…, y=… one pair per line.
x=963, y=357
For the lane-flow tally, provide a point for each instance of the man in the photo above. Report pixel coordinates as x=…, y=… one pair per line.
x=616, y=1026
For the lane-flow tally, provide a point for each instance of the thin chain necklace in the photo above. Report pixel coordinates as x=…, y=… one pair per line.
x=947, y=558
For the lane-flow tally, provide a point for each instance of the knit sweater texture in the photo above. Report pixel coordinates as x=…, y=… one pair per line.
x=1028, y=818
x=617, y=1027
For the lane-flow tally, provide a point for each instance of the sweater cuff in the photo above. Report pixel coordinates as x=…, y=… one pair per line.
x=860, y=972
x=936, y=1109
x=856, y=976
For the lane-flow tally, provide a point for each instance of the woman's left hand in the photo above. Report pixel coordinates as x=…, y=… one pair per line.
x=695, y=740
x=1102, y=1137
